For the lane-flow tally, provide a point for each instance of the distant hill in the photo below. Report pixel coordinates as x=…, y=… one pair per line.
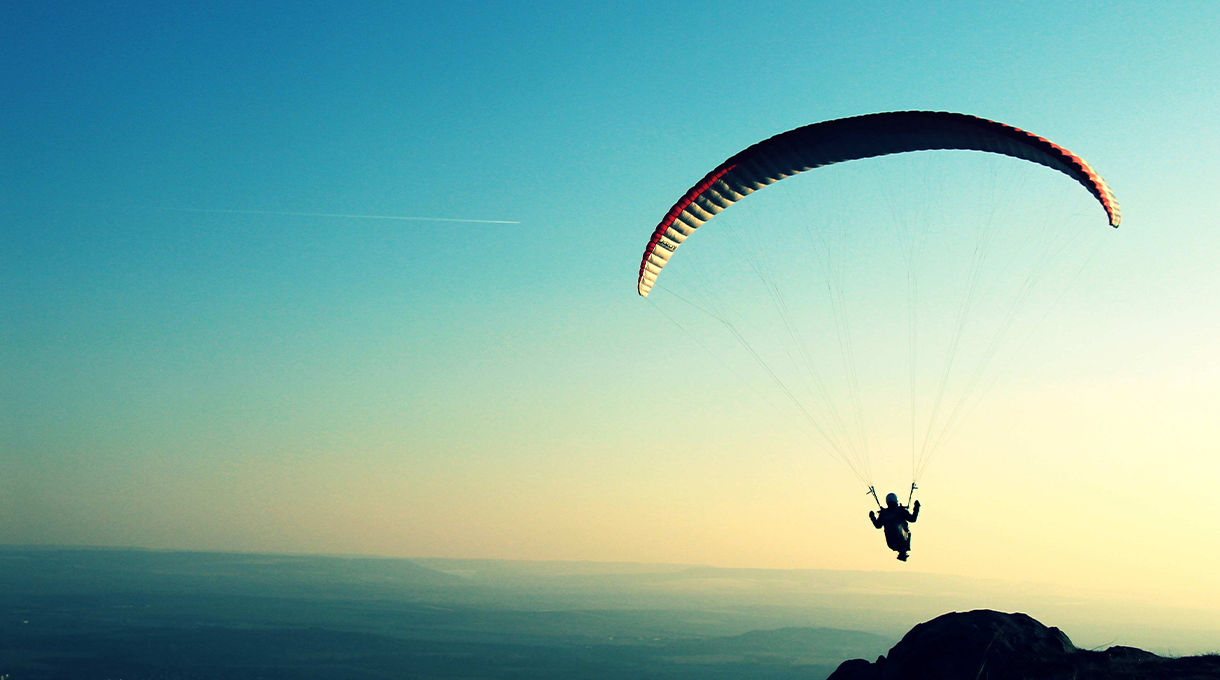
x=989, y=645
x=820, y=647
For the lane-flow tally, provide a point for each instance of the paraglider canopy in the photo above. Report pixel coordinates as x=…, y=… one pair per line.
x=845, y=139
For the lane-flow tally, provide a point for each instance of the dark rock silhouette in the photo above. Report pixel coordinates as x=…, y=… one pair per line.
x=989, y=645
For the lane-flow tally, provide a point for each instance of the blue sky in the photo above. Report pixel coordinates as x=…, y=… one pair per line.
x=185, y=365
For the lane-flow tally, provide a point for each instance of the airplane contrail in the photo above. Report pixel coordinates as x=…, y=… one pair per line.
x=285, y=213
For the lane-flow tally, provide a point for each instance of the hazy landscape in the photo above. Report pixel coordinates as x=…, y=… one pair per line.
x=132, y=614
x=109, y=613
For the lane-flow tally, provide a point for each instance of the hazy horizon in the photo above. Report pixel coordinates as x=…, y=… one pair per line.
x=886, y=603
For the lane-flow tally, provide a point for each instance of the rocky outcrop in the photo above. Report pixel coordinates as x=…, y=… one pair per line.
x=990, y=645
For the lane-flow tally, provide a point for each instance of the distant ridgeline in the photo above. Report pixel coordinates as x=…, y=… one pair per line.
x=989, y=645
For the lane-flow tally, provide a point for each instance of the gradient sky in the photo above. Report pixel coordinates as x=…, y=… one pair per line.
x=200, y=352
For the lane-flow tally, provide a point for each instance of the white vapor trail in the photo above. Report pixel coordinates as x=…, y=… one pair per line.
x=285, y=213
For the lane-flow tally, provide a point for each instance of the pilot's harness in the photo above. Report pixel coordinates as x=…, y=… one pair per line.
x=873, y=491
